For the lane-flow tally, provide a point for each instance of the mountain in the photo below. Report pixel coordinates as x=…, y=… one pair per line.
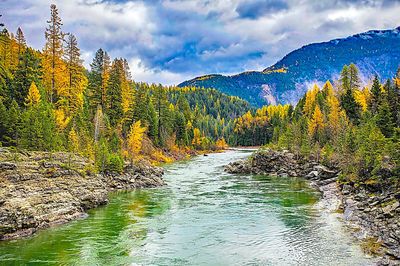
x=374, y=52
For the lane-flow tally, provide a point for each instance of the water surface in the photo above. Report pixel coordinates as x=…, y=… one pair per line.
x=203, y=217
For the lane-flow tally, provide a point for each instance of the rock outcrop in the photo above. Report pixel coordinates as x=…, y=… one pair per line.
x=374, y=216
x=39, y=189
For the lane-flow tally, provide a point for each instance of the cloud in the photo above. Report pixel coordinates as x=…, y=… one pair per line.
x=255, y=8
x=169, y=41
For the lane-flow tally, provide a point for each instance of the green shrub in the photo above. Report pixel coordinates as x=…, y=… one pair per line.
x=115, y=163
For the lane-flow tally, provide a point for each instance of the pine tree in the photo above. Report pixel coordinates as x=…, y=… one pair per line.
x=3, y=123
x=53, y=66
x=114, y=109
x=33, y=97
x=384, y=118
x=163, y=114
x=345, y=78
x=98, y=79
x=180, y=125
x=183, y=106
x=13, y=124
x=28, y=71
x=350, y=105
x=126, y=89
x=393, y=98
x=77, y=80
x=354, y=79
x=152, y=120
x=20, y=38
x=376, y=95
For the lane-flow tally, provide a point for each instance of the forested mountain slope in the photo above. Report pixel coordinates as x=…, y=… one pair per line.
x=374, y=52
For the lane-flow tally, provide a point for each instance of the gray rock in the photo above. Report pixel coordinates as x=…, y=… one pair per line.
x=7, y=166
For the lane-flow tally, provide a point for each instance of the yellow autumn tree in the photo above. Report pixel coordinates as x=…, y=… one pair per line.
x=134, y=140
x=76, y=81
x=328, y=89
x=62, y=120
x=310, y=100
x=73, y=141
x=220, y=144
x=316, y=124
x=196, y=138
x=362, y=98
x=33, y=97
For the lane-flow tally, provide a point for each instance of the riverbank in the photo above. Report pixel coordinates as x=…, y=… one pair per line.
x=373, y=216
x=40, y=189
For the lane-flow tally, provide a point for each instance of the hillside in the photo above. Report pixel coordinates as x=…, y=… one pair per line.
x=374, y=52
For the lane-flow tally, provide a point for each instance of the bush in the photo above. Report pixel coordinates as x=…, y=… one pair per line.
x=115, y=163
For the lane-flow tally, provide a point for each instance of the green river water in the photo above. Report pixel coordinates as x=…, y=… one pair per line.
x=203, y=217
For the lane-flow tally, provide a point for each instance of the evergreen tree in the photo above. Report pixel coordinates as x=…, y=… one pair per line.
x=376, y=95
x=162, y=110
x=114, y=94
x=345, y=78
x=180, y=126
x=384, y=118
x=350, y=105
x=98, y=78
x=28, y=71
x=354, y=79
x=13, y=124
x=20, y=38
x=3, y=123
x=53, y=52
x=393, y=97
x=152, y=120
x=38, y=130
x=77, y=80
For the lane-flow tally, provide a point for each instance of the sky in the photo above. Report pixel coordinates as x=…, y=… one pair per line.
x=169, y=41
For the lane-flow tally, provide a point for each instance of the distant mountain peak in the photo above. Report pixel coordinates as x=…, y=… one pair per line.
x=374, y=52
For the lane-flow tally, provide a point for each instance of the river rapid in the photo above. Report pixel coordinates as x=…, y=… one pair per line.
x=202, y=217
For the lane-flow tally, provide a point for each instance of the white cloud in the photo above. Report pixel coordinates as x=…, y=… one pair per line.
x=173, y=40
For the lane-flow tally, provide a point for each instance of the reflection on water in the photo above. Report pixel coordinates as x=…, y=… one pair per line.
x=203, y=217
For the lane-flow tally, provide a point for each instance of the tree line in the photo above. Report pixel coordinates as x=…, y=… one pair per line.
x=50, y=102
x=344, y=124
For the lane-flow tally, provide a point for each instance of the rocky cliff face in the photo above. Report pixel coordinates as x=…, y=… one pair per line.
x=39, y=189
x=374, y=216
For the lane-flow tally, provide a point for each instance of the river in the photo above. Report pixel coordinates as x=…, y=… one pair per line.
x=203, y=217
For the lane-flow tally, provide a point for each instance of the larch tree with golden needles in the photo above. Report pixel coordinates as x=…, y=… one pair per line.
x=316, y=124
x=33, y=97
x=134, y=140
x=310, y=100
x=53, y=66
x=196, y=138
x=77, y=80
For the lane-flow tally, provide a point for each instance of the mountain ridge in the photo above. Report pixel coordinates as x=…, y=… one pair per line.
x=373, y=51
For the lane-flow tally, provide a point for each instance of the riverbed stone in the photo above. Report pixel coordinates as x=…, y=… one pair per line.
x=42, y=189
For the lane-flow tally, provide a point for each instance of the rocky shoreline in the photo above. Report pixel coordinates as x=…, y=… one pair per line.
x=39, y=189
x=373, y=217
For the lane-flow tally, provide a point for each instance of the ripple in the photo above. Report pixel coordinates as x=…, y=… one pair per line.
x=203, y=217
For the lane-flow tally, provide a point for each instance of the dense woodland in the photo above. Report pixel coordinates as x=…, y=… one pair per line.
x=50, y=102
x=353, y=127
